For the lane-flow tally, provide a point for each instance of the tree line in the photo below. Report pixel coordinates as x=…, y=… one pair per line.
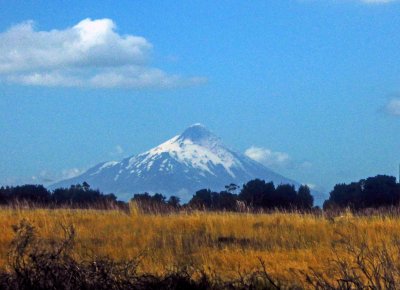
x=372, y=192
x=79, y=196
x=255, y=194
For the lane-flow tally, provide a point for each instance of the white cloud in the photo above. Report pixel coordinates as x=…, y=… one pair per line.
x=393, y=107
x=89, y=54
x=118, y=150
x=268, y=157
x=49, y=79
x=70, y=173
x=44, y=177
x=47, y=177
x=275, y=159
x=140, y=77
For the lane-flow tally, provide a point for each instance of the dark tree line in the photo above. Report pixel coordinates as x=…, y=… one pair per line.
x=259, y=193
x=80, y=195
x=156, y=203
x=373, y=192
x=256, y=194
x=207, y=199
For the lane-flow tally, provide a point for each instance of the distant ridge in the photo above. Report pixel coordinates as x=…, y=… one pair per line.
x=182, y=165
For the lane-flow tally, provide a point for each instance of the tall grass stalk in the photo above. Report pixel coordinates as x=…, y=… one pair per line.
x=221, y=243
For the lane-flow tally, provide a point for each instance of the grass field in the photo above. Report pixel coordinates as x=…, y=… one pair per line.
x=224, y=244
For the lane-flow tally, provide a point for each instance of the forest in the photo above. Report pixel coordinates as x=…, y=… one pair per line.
x=372, y=192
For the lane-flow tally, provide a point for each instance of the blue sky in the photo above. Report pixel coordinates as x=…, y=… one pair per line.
x=309, y=88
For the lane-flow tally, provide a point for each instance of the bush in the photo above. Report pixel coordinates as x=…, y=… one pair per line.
x=359, y=266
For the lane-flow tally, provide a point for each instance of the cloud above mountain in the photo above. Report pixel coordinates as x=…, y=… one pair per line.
x=88, y=54
x=275, y=159
x=44, y=177
x=393, y=107
x=268, y=157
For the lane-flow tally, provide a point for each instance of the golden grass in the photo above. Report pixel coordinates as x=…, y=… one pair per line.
x=224, y=243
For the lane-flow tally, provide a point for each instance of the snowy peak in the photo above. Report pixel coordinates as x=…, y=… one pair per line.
x=180, y=166
x=197, y=148
x=199, y=134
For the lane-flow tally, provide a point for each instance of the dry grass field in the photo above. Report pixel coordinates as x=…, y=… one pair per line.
x=224, y=244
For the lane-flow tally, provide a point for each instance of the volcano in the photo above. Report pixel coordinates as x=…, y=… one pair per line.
x=193, y=160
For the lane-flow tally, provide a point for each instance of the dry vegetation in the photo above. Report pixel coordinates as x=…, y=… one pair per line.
x=296, y=249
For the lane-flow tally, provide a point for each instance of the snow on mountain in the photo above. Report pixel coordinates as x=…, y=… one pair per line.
x=188, y=162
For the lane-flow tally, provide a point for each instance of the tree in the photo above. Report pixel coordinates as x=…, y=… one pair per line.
x=174, y=201
x=254, y=191
x=226, y=201
x=304, y=198
x=285, y=196
x=85, y=186
x=3, y=195
x=268, y=199
x=30, y=193
x=142, y=197
x=158, y=198
x=378, y=191
x=231, y=188
x=202, y=198
x=259, y=193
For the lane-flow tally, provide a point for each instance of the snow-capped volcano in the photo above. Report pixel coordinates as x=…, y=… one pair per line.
x=188, y=162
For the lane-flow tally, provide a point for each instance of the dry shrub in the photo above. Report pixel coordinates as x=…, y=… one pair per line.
x=359, y=264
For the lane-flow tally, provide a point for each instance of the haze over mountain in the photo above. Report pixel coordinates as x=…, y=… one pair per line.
x=188, y=162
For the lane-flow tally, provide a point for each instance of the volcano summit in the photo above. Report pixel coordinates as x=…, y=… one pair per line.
x=188, y=162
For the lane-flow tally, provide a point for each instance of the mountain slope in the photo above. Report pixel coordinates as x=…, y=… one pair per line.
x=182, y=165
